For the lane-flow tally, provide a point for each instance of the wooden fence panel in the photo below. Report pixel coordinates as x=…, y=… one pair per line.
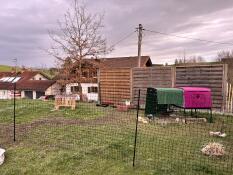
x=150, y=77
x=229, y=98
x=115, y=85
x=210, y=76
x=118, y=85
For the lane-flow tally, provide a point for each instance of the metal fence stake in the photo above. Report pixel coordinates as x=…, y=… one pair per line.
x=211, y=117
x=14, y=110
x=136, y=129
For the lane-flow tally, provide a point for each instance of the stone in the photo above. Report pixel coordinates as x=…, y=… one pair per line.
x=2, y=156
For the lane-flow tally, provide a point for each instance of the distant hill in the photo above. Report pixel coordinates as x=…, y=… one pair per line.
x=50, y=72
x=5, y=68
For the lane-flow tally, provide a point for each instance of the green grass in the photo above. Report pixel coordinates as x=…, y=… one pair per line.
x=107, y=148
x=30, y=110
x=47, y=72
x=5, y=68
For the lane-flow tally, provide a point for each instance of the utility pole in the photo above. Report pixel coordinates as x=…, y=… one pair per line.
x=15, y=65
x=140, y=28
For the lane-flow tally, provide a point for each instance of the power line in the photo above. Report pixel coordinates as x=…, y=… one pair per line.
x=196, y=39
x=122, y=39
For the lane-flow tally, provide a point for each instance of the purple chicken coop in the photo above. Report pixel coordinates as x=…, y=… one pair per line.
x=197, y=98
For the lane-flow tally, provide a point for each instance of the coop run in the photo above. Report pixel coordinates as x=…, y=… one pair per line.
x=160, y=100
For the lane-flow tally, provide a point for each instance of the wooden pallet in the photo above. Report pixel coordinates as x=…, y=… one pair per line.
x=65, y=102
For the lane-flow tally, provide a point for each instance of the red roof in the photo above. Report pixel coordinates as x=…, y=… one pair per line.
x=6, y=74
x=6, y=86
x=37, y=85
x=25, y=82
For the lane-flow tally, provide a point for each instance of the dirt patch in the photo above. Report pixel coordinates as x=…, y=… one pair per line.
x=6, y=130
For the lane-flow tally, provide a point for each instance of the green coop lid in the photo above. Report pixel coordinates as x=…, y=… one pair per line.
x=170, y=96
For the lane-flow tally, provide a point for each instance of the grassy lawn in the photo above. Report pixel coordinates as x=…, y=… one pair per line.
x=4, y=68
x=102, y=141
x=29, y=110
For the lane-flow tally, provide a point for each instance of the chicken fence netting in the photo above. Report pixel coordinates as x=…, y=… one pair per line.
x=113, y=136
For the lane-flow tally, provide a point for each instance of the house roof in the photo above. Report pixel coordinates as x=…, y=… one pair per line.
x=36, y=85
x=122, y=62
x=6, y=74
x=6, y=86
x=25, y=82
x=26, y=75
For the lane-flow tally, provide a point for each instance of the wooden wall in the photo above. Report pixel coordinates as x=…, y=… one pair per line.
x=159, y=76
x=115, y=85
x=209, y=75
x=118, y=85
x=229, y=98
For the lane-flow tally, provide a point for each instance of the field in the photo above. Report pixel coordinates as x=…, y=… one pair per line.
x=97, y=140
x=48, y=72
x=4, y=68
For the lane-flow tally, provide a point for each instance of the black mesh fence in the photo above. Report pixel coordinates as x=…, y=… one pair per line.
x=104, y=138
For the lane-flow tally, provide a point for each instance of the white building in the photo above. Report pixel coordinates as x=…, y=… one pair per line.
x=89, y=90
x=29, y=84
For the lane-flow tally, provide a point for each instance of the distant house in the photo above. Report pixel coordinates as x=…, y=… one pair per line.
x=29, y=84
x=88, y=80
x=91, y=85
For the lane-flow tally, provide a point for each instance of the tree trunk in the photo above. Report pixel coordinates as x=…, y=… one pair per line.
x=80, y=79
x=80, y=91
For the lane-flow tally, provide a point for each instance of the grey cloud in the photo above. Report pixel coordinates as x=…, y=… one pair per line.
x=24, y=25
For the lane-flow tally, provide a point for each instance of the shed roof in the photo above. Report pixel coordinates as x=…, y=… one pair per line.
x=122, y=62
x=125, y=62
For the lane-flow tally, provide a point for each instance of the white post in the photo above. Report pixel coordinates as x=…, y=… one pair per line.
x=34, y=95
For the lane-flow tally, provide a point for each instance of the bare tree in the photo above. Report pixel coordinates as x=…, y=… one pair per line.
x=191, y=59
x=200, y=59
x=196, y=59
x=224, y=54
x=79, y=37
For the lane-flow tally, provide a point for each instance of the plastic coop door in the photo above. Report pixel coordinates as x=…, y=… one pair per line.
x=197, y=98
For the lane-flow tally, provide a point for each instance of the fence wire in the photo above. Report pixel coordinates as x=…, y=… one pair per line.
x=99, y=138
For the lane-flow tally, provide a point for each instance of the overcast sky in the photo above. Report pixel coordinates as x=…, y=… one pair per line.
x=24, y=25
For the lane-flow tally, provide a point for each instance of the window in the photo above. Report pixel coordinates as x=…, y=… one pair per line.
x=74, y=89
x=85, y=74
x=92, y=89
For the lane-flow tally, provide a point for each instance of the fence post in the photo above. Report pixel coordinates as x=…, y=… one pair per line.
x=14, y=110
x=211, y=116
x=136, y=129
